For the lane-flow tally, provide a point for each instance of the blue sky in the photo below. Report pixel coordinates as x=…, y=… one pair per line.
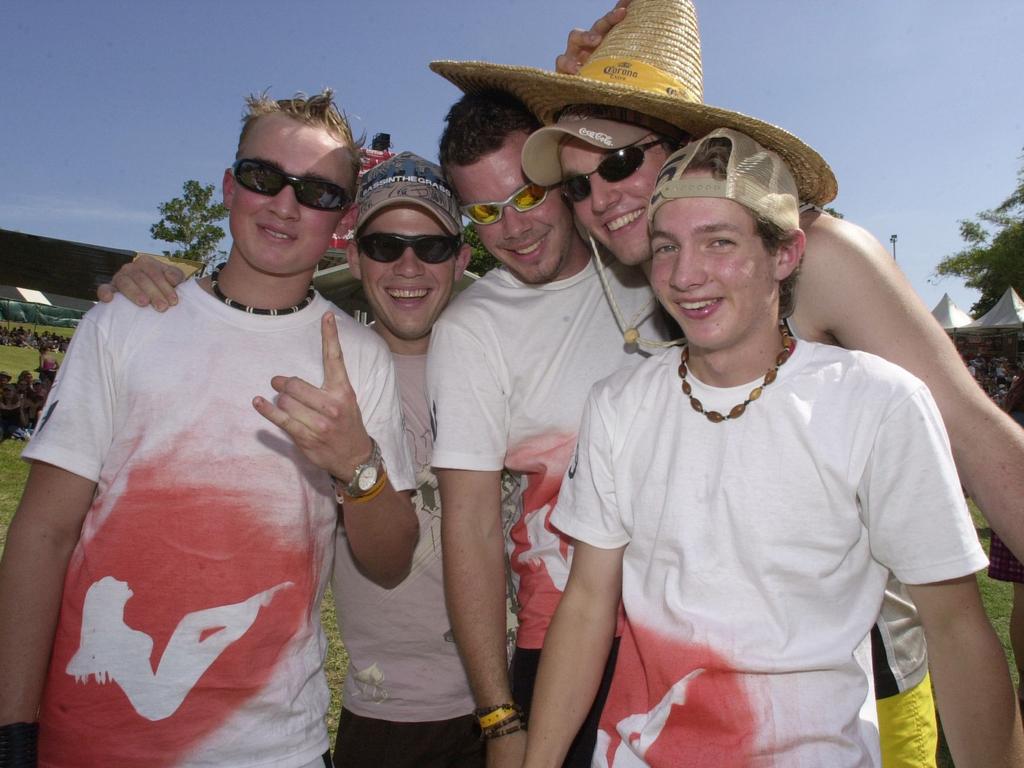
x=110, y=106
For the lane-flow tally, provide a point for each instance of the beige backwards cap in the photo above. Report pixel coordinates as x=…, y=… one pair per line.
x=650, y=63
x=755, y=177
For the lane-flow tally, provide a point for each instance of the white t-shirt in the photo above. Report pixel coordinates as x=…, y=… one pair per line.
x=509, y=368
x=403, y=664
x=757, y=551
x=189, y=624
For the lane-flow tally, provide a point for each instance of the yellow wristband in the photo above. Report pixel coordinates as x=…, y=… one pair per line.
x=373, y=492
x=493, y=718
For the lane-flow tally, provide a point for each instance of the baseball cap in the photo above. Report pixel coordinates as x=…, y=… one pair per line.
x=605, y=127
x=755, y=177
x=408, y=179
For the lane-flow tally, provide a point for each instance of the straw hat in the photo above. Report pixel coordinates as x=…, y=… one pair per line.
x=649, y=62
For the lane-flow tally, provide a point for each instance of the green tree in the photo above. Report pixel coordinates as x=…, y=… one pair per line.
x=481, y=261
x=994, y=257
x=190, y=221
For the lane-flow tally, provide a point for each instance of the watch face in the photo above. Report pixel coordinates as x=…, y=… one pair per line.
x=367, y=479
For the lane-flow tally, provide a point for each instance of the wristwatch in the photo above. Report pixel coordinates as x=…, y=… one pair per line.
x=366, y=475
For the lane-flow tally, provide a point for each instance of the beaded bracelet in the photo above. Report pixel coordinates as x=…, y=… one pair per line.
x=494, y=733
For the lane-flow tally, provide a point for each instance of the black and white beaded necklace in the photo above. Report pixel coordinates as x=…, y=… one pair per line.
x=257, y=310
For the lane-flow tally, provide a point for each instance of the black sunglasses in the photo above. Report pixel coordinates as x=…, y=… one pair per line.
x=264, y=179
x=431, y=249
x=615, y=166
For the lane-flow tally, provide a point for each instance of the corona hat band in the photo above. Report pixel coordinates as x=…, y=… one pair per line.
x=649, y=63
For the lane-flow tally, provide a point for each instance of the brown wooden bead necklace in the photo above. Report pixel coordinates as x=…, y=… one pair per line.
x=788, y=345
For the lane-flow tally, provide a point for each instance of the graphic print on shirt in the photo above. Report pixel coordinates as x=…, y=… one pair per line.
x=675, y=703
x=179, y=604
x=111, y=651
x=541, y=556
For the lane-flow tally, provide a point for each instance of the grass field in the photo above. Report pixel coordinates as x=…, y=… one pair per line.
x=17, y=359
x=13, y=471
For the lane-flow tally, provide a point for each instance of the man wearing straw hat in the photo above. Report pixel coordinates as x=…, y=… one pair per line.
x=851, y=291
x=750, y=520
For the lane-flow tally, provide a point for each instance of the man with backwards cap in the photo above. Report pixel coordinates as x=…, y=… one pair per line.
x=645, y=84
x=747, y=497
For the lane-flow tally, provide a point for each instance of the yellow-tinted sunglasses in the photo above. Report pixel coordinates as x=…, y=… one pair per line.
x=523, y=199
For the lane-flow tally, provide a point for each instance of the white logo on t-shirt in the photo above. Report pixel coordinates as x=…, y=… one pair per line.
x=111, y=650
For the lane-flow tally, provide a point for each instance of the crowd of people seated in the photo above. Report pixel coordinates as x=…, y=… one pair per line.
x=22, y=398
x=21, y=336
x=21, y=402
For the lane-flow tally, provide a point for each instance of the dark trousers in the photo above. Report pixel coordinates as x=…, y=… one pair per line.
x=365, y=742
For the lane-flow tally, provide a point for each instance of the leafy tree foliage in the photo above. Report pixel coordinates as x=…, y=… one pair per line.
x=190, y=221
x=994, y=257
x=481, y=261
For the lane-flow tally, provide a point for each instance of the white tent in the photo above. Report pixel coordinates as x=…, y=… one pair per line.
x=1007, y=314
x=950, y=315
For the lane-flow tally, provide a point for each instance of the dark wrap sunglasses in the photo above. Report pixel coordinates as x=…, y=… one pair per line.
x=614, y=166
x=264, y=179
x=386, y=247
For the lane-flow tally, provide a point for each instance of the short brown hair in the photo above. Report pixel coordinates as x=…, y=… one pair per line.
x=319, y=111
x=479, y=124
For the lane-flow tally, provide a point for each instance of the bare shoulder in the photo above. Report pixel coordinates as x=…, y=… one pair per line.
x=851, y=292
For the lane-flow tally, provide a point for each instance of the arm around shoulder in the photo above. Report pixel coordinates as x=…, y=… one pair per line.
x=144, y=281
x=851, y=292
x=40, y=540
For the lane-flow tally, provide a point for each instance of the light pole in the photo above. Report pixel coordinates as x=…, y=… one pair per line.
x=892, y=239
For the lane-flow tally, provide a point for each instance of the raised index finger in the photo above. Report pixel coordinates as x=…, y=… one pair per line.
x=335, y=374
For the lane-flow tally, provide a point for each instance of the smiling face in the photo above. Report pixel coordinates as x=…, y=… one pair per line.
x=406, y=295
x=712, y=272
x=276, y=241
x=537, y=246
x=615, y=212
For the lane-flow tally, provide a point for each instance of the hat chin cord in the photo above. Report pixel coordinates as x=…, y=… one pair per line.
x=630, y=333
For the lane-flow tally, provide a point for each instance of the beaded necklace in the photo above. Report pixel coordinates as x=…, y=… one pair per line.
x=257, y=310
x=788, y=345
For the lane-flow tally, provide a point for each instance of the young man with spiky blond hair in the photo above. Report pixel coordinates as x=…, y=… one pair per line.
x=161, y=583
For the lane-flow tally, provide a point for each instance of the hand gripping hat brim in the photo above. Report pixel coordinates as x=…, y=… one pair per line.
x=649, y=63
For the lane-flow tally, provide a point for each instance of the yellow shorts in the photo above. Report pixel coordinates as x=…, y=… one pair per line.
x=906, y=724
